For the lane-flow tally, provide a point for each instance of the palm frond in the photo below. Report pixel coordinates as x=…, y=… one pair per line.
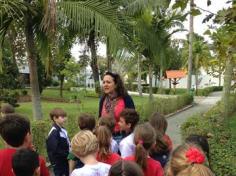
x=93, y=14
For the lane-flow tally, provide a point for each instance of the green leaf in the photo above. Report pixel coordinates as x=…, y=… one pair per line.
x=195, y=12
x=207, y=32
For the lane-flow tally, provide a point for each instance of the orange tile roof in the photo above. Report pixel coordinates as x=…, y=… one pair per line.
x=175, y=73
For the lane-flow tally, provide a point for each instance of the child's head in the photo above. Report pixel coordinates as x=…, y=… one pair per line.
x=104, y=141
x=58, y=116
x=128, y=119
x=125, y=168
x=200, y=141
x=86, y=122
x=160, y=144
x=158, y=122
x=25, y=162
x=144, y=139
x=15, y=130
x=84, y=143
x=7, y=109
x=187, y=160
x=107, y=121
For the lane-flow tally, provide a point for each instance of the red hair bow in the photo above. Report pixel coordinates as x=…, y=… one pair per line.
x=194, y=155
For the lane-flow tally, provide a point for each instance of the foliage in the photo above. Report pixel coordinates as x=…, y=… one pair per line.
x=8, y=96
x=165, y=105
x=221, y=140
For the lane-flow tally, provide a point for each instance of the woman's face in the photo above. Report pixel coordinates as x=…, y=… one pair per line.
x=108, y=84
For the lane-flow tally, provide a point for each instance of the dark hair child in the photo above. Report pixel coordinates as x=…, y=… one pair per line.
x=25, y=162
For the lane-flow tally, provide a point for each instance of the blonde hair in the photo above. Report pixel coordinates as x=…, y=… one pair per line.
x=84, y=143
x=179, y=165
x=144, y=138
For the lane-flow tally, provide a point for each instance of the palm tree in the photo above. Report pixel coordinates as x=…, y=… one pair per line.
x=32, y=15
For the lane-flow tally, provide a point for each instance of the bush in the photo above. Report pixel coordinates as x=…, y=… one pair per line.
x=10, y=97
x=24, y=92
x=165, y=105
x=222, y=144
x=40, y=131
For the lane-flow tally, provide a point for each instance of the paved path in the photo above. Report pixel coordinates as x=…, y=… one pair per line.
x=201, y=105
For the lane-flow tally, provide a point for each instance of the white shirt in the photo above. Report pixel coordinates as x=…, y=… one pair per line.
x=99, y=169
x=114, y=146
x=127, y=146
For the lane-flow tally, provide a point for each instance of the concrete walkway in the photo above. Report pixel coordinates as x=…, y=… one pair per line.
x=201, y=105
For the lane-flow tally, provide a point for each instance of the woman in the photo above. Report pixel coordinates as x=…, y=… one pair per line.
x=115, y=98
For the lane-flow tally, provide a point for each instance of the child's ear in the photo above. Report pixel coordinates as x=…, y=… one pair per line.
x=129, y=125
x=37, y=171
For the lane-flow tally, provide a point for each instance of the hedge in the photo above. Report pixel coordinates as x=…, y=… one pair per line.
x=222, y=144
x=164, y=105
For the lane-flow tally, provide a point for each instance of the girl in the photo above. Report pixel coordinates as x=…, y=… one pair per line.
x=159, y=123
x=144, y=139
x=104, y=153
x=125, y=168
x=187, y=160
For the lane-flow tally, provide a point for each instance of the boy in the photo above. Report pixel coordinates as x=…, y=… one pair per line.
x=58, y=143
x=85, y=122
x=128, y=120
x=7, y=109
x=15, y=131
x=85, y=145
x=25, y=162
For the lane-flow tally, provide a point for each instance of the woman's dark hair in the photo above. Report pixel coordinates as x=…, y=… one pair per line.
x=24, y=162
x=125, y=168
x=120, y=88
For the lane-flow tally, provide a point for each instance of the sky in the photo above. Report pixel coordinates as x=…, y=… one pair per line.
x=199, y=27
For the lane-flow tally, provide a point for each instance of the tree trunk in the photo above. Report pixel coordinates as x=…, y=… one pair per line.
x=61, y=85
x=139, y=77
x=196, y=82
x=190, y=58
x=227, y=86
x=12, y=38
x=93, y=64
x=109, y=57
x=220, y=79
x=161, y=80
x=150, y=82
x=32, y=59
x=169, y=83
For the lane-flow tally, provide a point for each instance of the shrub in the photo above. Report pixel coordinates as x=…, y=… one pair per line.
x=24, y=92
x=10, y=97
x=165, y=105
x=222, y=144
x=40, y=131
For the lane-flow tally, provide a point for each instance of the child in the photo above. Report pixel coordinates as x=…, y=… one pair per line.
x=15, y=131
x=109, y=122
x=200, y=141
x=85, y=145
x=159, y=122
x=125, y=168
x=128, y=120
x=58, y=143
x=7, y=109
x=187, y=160
x=25, y=162
x=144, y=138
x=85, y=122
x=104, y=153
x=163, y=146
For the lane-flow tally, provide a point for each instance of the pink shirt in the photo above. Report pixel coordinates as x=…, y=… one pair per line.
x=120, y=105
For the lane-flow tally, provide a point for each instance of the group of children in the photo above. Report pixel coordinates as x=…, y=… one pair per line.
x=145, y=149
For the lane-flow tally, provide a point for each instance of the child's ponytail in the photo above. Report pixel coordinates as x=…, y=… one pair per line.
x=144, y=138
x=141, y=155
